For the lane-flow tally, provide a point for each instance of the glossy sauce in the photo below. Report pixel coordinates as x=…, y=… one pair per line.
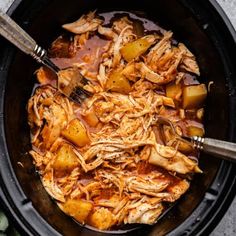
x=147, y=24
x=144, y=168
x=89, y=55
x=94, y=46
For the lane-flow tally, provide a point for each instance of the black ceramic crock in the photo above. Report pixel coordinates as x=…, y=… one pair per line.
x=203, y=27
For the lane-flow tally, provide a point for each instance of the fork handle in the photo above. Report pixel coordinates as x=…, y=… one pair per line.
x=15, y=34
x=219, y=148
x=10, y=30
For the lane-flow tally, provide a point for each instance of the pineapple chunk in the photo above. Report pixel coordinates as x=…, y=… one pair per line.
x=200, y=113
x=194, y=95
x=76, y=133
x=117, y=82
x=91, y=118
x=184, y=147
x=130, y=72
x=136, y=48
x=102, y=219
x=173, y=91
x=66, y=159
x=78, y=209
x=195, y=131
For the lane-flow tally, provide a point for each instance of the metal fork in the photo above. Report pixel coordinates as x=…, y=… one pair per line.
x=222, y=149
x=10, y=30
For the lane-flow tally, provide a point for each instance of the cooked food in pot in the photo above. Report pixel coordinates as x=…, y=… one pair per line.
x=109, y=161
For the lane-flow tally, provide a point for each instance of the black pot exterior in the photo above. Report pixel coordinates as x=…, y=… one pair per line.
x=203, y=27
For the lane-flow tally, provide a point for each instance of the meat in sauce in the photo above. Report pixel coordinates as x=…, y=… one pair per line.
x=107, y=162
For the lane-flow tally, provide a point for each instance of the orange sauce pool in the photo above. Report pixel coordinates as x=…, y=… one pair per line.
x=94, y=47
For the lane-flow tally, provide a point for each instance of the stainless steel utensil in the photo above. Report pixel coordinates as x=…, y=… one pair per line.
x=17, y=36
x=218, y=148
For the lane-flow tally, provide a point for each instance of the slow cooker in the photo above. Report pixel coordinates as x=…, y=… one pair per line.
x=204, y=28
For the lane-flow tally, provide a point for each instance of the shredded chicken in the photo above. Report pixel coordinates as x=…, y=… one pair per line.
x=85, y=23
x=144, y=213
x=107, y=161
x=188, y=62
x=107, y=32
x=172, y=160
